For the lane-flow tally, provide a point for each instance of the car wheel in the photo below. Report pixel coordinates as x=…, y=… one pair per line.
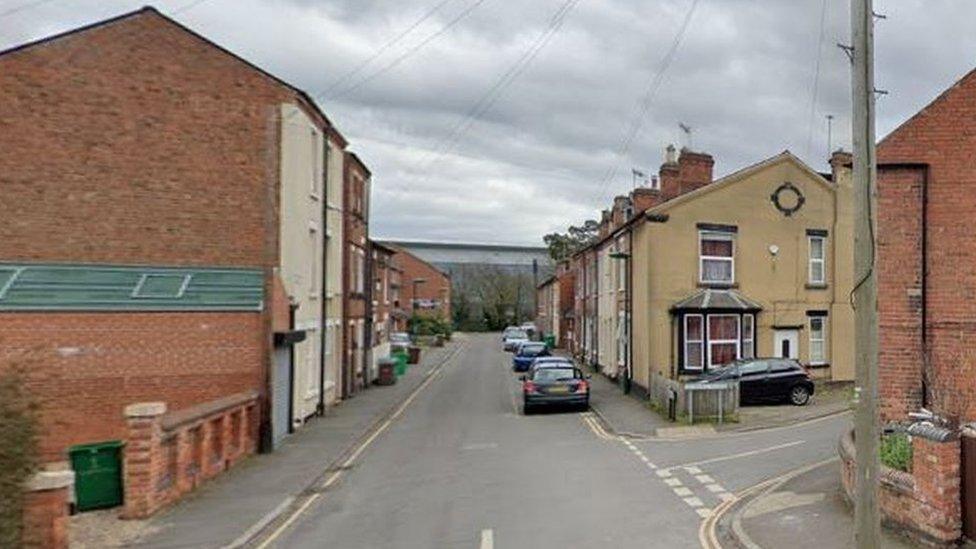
x=799, y=395
x=586, y=405
x=526, y=409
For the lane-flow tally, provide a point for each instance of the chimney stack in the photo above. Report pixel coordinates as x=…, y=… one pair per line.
x=644, y=198
x=689, y=171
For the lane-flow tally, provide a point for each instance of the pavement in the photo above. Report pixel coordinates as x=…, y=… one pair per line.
x=807, y=510
x=631, y=415
x=228, y=509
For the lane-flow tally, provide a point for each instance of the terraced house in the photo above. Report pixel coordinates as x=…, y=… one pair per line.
x=162, y=259
x=758, y=263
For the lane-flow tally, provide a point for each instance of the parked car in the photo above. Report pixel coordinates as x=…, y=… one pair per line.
x=767, y=379
x=527, y=353
x=555, y=384
x=547, y=360
x=512, y=339
x=509, y=330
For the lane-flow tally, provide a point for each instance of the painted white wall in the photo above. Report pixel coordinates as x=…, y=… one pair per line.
x=334, y=259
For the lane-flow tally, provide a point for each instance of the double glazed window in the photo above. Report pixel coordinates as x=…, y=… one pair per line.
x=712, y=340
x=818, y=267
x=716, y=257
x=818, y=340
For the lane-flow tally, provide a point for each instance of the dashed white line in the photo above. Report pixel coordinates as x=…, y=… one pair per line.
x=672, y=482
x=682, y=491
x=694, y=502
x=704, y=479
x=693, y=470
x=703, y=512
x=715, y=488
x=663, y=473
x=487, y=539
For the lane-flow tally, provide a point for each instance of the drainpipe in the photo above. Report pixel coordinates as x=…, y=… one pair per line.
x=629, y=306
x=925, y=288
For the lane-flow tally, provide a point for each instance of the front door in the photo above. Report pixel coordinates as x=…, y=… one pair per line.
x=281, y=394
x=786, y=343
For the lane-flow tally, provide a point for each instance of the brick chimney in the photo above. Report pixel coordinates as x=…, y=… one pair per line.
x=619, y=214
x=644, y=198
x=604, y=223
x=685, y=173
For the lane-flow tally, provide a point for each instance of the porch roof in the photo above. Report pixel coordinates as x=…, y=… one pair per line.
x=711, y=300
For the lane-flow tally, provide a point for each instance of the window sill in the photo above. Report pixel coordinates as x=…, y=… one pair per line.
x=721, y=285
x=314, y=196
x=819, y=366
x=810, y=286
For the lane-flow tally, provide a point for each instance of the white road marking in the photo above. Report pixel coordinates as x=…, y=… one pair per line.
x=663, y=473
x=694, y=502
x=693, y=469
x=704, y=513
x=487, y=539
x=672, y=482
x=480, y=446
x=715, y=488
x=726, y=496
x=705, y=479
x=682, y=491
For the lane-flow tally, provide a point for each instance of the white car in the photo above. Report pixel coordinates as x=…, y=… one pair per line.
x=512, y=339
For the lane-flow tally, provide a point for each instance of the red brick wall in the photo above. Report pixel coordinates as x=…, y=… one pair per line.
x=437, y=285
x=85, y=368
x=46, y=519
x=899, y=264
x=943, y=136
x=157, y=148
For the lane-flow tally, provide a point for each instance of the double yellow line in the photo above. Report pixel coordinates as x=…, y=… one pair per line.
x=594, y=424
x=359, y=449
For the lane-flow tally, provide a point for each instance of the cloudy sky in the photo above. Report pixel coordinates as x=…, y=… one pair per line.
x=499, y=121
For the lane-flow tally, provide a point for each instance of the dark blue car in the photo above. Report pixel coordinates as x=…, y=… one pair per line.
x=527, y=353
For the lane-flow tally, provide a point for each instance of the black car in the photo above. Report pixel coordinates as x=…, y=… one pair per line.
x=767, y=379
x=526, y=355
x=555, y=384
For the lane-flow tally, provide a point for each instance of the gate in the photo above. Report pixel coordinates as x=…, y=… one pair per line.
x=968, y=473
x=281, y=394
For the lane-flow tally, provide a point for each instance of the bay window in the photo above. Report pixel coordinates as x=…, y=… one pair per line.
x=748, y=339
x=723, y=339
x=716, y=253
x=694, y=340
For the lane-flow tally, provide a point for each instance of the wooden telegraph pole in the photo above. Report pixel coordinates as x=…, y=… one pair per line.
x=867, y=519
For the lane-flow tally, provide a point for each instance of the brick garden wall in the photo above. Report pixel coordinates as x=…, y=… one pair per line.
x=86, y=368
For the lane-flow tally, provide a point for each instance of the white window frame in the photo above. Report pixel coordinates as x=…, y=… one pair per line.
x=710, y=341
x=752, y=339
x=622, y=338
x=312, y=389
x=700, y=342
x=715, y=235
x=315, y=192
x=822, y=260
x=822, y=340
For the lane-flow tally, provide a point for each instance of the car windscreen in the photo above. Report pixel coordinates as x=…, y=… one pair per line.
x=555, y=374
x=531, y=350
x=517, y=335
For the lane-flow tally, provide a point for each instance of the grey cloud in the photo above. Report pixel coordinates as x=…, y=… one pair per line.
x=534, y=162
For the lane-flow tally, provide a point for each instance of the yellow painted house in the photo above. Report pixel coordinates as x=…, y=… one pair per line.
x=756, y=264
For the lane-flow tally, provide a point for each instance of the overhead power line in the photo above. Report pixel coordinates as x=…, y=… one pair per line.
x=816, y=78
x=491, y=96
x=637, y=120
x=386, y=46
x=188, y=6
x=405, y=55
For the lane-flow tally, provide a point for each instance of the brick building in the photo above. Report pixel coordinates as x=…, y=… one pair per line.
x=144, y=255
x=425, y=289
x=387, y=316
x=358, y=288
x=926, y=275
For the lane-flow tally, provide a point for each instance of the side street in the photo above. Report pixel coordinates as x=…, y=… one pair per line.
x=239, y=312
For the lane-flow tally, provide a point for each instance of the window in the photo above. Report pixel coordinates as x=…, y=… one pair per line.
x=817, y=259
x=314, y=274
x=622, y=338
x=723, y=339
x=818, y=340
x=717, y=258
x=694, y=339
x=159, y=286
x=317, y=171
x=360, y=271
x=311, y=367
x=748, y=339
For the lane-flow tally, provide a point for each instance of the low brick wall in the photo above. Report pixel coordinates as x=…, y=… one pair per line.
x=170, y=454
x=925, y=503
x=46, y=509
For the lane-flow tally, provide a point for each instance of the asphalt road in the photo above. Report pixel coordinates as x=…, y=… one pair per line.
x=461, y=467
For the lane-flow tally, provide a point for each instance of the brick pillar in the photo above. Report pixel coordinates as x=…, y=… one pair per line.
x=142, y=462
x=936, y=467
x=46, y=509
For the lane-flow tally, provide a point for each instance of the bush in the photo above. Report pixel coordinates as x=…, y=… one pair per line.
x=18, y=453
x=896, y=452
x=428, y=325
